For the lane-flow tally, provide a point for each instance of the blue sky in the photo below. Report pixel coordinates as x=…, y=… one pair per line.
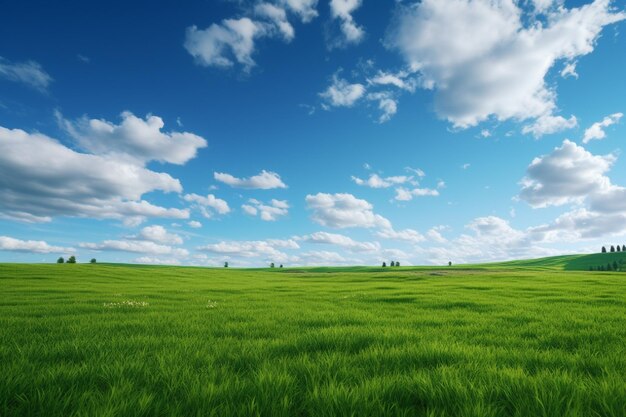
x=309, y=132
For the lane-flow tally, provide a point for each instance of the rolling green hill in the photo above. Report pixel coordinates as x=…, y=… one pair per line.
x=565, y=262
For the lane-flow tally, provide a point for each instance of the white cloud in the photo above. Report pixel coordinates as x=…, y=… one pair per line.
x=248, y=249
x=491, y=239
x=351, y=32
x=279, y=18
x=134, y=139
x=29, y=72
x=323, y=258
x=342, y=94
x=596, y=131
x=342, y=241
x=233, y=41
x=407, y=235
x=208, y=205
x=136, y=246
x=376, y=181
x=265, y=180
x=547, y=124
x=195, y=224
x=220, y=44
x=151, y=260
x=41, y=178
x=493, y=60
x=569, y=70
x=568, y=175
x=158, y=234
x=33, y=246
x=581, y=224
x=343, y=211
x=305, y=9
x=466, y=166
x=386, y=104
x=401, y=80
x=403, y=194
x=268, y=212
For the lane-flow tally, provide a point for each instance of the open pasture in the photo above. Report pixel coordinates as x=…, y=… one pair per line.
x=509, y=340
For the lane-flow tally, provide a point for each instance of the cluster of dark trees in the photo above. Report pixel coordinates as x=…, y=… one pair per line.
x=609, y=267
x=272, y=265
x=393, y=263
x=617, y=248
x=72, y=260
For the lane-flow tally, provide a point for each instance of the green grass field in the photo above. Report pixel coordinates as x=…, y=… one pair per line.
x=520, y=339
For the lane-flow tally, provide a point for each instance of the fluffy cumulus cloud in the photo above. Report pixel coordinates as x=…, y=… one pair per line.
x=343, y=211
x=209, y=205
x=152, y=260
x=270, y=212
x=136, y=246
x=158, y=234
x=548, y=124
x=404, y=194
x=493, y=61
x=305, y=9
x=265, y=180
x=267, y=250
x=406, y=235
x=40, y=178
x=567, y=175
x=342, y=94
x=194, y=224
x=342, y=241
x=31, y=246
x=351, y=33
x=220, y=45
x=376, y=181
x=572, y=175
x=233, y=41
x=29, y=73
x=489, y=239
x=134, y=139
x=596, y=130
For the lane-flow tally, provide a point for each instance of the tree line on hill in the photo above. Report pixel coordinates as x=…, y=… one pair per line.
x=611, y=266
x=614, y=249
x=72, y=260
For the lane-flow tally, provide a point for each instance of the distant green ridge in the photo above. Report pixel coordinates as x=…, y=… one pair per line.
x=566, y=262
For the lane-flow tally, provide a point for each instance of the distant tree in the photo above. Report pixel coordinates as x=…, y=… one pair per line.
x=71, y=260
x=612, y=248
x=281, y=265
x=93, y=261
x=450, y=263
x=392, y=263
x=618, y=248
x=60, y=260
x=384, y=264
x=272, y=265
x=397, y=263
x=603, y=249
x=225, y=264
x=615, y=266
x=623, y=248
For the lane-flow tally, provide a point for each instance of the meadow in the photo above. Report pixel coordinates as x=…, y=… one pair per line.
x=522, y=339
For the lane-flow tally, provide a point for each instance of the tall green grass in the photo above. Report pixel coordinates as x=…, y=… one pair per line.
x=102, y=340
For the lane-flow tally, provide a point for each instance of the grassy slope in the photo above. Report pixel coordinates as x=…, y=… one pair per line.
x=401, y=342
x=567, y=262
